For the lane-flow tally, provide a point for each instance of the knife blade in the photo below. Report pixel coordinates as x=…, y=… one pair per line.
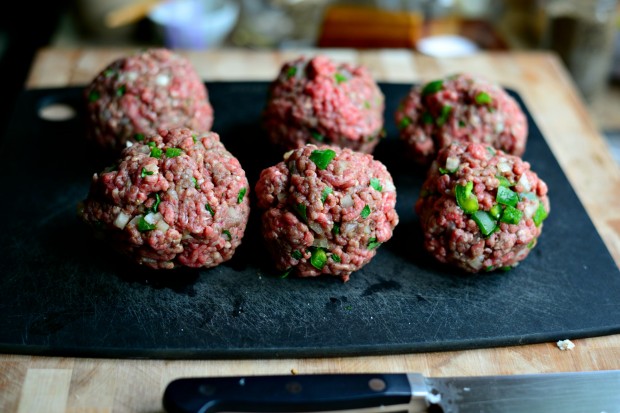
x=583, y=392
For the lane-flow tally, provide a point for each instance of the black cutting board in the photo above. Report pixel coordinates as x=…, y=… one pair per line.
x=64, y=293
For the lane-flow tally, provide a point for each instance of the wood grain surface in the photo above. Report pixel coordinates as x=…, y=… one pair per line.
x=33, y=384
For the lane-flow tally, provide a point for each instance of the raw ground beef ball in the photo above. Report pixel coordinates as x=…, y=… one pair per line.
x=326, y=210
x=178, y=198
x=321, y=102
x=480, y=208
x=460, y=108
x=137, y=95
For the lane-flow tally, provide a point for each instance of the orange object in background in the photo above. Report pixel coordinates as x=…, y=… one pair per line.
x=369, y=27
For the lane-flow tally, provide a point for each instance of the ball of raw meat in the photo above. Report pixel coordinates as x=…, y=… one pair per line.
x=481, y=209
x=177, y=198
x=318, y=101
x=460, y=108
x=136, y=95
x=326, y=210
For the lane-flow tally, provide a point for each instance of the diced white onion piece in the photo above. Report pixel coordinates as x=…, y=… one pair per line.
x=350, y=226
x=234, y=216
x=342, y=166
x=521, y=254
x=316, y=227
x=186, y=235
x=121, y=220
x=452, y=163
x=281, y=196
x=152, y=218
x=320, y=242
x=530, y=209
x=367, y=229
x=525, y=183
x=503, y=166
x=346, y=201
x=129, y=144
x=162, y=80
x=476, y=262
x=134, y=220
x=162, y=225
x=287, y=155
x=389, y=187
x=131, y=76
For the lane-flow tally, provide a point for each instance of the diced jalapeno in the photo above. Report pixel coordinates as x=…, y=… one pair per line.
x=317, y=136
x=443, y=116
x=290, y=72
x=208, y=208
x=156, y=203
x=173, y=152
x=372, y=243
x=496, y=211
x=144, y=226
x=427, y=118
x=485, y=221
x=404, y=122
x=506, y=196
x=318, y=259
x=465, y=198
x=241, y=194
x=511, y=215
x=301, y=210
x=503, y=181
x=365, y=212
x=432, y=87
x=483, y=98
x=196, y=183
x=376, y=184
x=93, y=96
x=540, y=215
x=326, y=191
x=156, y=152
x=322, y=158
x=297, y=255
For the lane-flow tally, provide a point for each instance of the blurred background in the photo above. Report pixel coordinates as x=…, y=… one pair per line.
x=584, y=33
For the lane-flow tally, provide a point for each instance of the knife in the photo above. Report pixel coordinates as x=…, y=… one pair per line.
x=584, y=392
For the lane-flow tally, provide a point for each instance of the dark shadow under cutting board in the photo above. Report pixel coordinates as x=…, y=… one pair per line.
x=64, y=293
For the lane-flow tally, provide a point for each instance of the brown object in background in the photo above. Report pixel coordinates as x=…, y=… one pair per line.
x=355, y=26
x=370, y=27
x=483, y=33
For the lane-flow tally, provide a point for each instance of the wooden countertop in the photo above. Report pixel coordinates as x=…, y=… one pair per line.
x=30, y=384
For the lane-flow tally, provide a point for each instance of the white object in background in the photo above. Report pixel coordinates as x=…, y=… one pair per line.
x=195, y=24
x=446, y=46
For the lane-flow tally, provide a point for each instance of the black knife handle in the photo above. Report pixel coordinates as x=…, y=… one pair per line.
x=290, y=393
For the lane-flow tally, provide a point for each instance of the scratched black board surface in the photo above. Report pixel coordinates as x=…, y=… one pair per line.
x=64, y=293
